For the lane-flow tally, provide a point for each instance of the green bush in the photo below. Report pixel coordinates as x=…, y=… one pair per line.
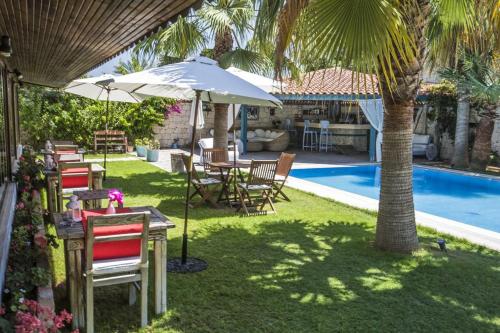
x=52, y=114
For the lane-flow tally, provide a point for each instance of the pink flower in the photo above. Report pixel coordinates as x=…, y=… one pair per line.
x=26, y=178
x=115, y=195
x=2, y=310
x=20, y=205
x=41, y=241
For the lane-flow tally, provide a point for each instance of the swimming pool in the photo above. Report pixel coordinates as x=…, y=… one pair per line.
x=473, y=200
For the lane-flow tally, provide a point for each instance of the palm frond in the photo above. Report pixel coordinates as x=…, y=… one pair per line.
x=247, y=60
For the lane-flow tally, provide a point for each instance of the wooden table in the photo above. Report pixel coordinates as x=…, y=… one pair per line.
x=51, y=175
x=74, y=243
x=227, y=177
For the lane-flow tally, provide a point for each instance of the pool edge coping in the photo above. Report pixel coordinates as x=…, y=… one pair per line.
x=476, y=235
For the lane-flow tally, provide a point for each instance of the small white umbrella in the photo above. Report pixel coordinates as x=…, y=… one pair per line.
x=98, y=88
x=198, y=79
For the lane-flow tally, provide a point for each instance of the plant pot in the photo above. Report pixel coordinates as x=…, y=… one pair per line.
x=141, y=151
x=153, y=155
x=130, y=149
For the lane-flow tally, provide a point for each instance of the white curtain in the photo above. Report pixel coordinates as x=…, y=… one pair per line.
x=230, y=114
x=374, y=112
x=201, y=119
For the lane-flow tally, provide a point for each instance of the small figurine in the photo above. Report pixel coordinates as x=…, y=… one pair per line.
x=49, y=162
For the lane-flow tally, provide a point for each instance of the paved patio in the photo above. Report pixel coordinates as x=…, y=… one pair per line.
x=304, y=159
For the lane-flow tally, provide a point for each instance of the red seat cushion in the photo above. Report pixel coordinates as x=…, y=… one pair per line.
x=114, y=249
x=75, y=181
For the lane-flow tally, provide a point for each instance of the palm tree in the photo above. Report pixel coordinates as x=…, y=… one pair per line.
x=226, y=23
x=371, y=36
x=450, y=41
x=138, y=61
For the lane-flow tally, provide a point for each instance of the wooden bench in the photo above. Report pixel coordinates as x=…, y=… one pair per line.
x=116, y=140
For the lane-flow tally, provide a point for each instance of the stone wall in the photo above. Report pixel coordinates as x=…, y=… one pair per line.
x=176, y=126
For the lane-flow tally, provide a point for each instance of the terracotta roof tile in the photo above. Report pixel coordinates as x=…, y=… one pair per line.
x=337, y=81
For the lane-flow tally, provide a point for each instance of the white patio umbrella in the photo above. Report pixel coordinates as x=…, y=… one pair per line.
x=198, y=79
x=98, y=88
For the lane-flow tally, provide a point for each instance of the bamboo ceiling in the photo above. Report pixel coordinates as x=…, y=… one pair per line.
x=56, y=41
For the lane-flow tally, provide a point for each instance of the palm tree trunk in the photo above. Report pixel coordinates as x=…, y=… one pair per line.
x=220, y=125
x=223, y=44
x=461, y=148
x=396, y=226
x=481, y=150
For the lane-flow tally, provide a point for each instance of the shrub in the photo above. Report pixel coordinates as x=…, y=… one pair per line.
x=52, y=114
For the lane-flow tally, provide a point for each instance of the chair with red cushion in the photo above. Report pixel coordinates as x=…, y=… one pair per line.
x=67, y=153
x=111, y=232
x=72, y=176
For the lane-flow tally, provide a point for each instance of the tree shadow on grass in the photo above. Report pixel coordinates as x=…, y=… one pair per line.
x=293, y=276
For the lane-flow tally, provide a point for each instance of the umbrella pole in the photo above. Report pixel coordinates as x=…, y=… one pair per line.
x=106, y=134
x=234, y=151
x=186, y=204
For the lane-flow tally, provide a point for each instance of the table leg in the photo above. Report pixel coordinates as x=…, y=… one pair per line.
x=160, y=253
x=51, y=196
x=75, y=285
x=97, y=180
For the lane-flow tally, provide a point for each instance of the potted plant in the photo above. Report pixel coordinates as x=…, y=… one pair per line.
x=153, y=151
x=140, y=147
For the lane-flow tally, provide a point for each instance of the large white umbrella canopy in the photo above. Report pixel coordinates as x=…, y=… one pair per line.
x=97, y=88
x=181, y=81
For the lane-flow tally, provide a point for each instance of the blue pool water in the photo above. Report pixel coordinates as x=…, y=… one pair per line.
x=472, y=200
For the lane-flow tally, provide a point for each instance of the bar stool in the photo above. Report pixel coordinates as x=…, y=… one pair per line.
x=309, y=137
x=325, y=135
x=292, y=131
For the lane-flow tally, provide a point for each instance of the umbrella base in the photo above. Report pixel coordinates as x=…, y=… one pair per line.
x=192, y=265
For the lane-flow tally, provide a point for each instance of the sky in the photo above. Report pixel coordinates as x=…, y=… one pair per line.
x=109, y=67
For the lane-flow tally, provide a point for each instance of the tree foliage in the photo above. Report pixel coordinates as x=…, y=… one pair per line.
x=52, y=114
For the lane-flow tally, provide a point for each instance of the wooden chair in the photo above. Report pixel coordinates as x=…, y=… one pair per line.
x=285, y=163
x=260, y=180
x=205, y=187
x=72, y=176
x=211, y=155
x=67, y=153
x=131, y=270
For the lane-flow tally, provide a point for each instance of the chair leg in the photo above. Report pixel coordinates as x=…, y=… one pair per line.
x=268, y=195
x=132, y=294
x=279, y=191
x=144, y=297
x=89, y=285
x=242, y=201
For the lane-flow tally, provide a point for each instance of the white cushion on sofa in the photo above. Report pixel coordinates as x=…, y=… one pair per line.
x=260, y=132
x=250, y=135
x=268, y=134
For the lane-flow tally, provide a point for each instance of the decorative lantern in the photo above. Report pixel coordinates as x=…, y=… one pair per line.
x=74, y=209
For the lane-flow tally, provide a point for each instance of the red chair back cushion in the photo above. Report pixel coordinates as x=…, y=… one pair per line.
x=70, y=180
x=115, y=249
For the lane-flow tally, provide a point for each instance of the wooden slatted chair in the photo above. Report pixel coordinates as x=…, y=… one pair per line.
x=260, y=181
x=204, y=187
x=285, y=163
x=211, y=155
x=67, y=153
x=130, y=270
x=72, y=176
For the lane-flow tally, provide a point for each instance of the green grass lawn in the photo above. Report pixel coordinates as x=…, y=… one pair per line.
x=310, y=268
x=110, y=155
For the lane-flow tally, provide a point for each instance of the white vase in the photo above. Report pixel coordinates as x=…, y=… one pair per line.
x=111, y=209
